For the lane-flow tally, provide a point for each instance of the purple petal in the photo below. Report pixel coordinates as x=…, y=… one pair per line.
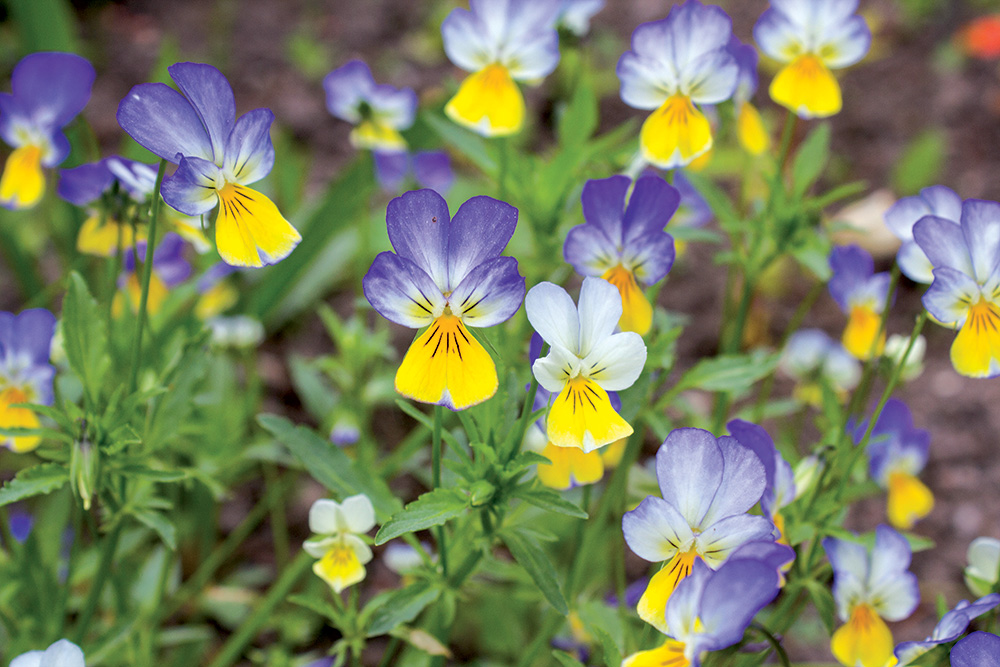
x=655, y=530
x=604, y=205
x=191, y=189
x=391, y=168
x=936, y=200
x=746, y=59
x=693, y=210
x=757, y=440
x=138, y=178
x=981, y=227
x=432, y=169
x=214, y=275
x=28, y=334
x=847, y=558
x=723, y=537
x=944, y=244
x=52, y=87
x=852, y=266
x=772, y=554
x=480, y=230
x=402, y=292
x=914, y=263
x=731, y=598
x=418, y=225
x=249, y=152
x=163, y=121
x=169, y=262
x=490, y=294
x=651, y=256
x=212, y=98
x=742, y=484
x=979, y=649
x=684, y=605
x=82, y=185
x=650, y=208
x=589, y=250
x=689, y=468
x=950, y=295
x=346, y=87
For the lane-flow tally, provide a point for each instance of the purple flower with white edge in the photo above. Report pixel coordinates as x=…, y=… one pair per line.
x=217, y=155
x=62, y=653
x=430, y=169
x=47, y=91
x=870, y=585
x=446, y=274
x=25, y=372
x=710, y=611
x=936, y=200
x=811, y=355
x=779, y=490
x=951, y=626
x=860, y=293
x=897, y=452
x=979, y=649
x=708, y=485
x=965, y=294
x=575, y=15
x=623, y=243
x=379, y=112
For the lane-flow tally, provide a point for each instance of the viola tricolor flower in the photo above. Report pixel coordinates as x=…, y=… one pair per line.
x=811, y=356
x=170, y=269
x=868, y=586
x=48, y=90
x=779, y=490
x=379, y=112
x=708, y=485
x=575, y=15
x=861, y=294
x=342, y=554
x=674, y=64
x=625, y=243
x=430, y=169
x=63, y=653
x=811, y=37
x=25, y=372
x=217, y=155
x=936, y=200
x=897, y=453
x=979, y=649
x=984, y=564
x=499, y=41
x=750, y=130
x=965, y=293
x=446, y=274
x=710, y=611
x=951, y=626
x=586, y=360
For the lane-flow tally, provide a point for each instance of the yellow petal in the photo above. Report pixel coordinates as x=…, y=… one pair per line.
x=669, y=654
x=340, y=567
x=17, y=418
x=569, y=465
x=447, y=366
x=637, y=313
x=582, y=417
x=862, y=329
x=909, y=500
x=133, y=288
x=976, y=350
x=806, y=87
x=750, y=130
x=374, y=135
x=864, y=640
x=190, y=230
x=23, y=183
x=675, y=134
x=218, y=299
x=250, y=230
x=652, y=605
x=488, y=102
x=613, y=453
x=102, y=240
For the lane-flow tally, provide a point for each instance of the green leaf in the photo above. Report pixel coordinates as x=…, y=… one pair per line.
x=430, y=509
x=44, y=25
x=921, y=163
x=810, y=160
x=465, y=142
x=823, y=600
x=160, y=524
x=550, y=501
x=578, y=121
x=329, y=465
x=35, y=481
x=566, y=660
x=84, y=336
x=402, y=606
x=529, y=555
x=733, y=374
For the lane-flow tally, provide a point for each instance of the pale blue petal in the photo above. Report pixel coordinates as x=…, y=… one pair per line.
x=163, y=121
x=249, y=151
x=402, y=292
x=896, y=597
x=711, y=78
x=63, y=653
x=212, y=98
x=890, y=556
x=684, y=606
x=650, y=257
x=346, y=87
x=689, y=468
x=480, y=230
x=391, y=169
x=914, y=263
x=944, y=243
x=531, y=45
x=845, y=43
x=29, y=659
x=841, y=368
x=777, y=36
x=846, y=557
x=742, y=484
x=721, y=538
x=395, y=107
x=731, y=598
x=589, y=250
x=935, y=200
x=981, y=227
x=552, y=313
x=490, y=294
x=575, y=15
x=418, y=224
x=950, y=296
x=655, y=531
x=464, y=41
x=645, y=83
x=192, y=188
x=804, y=352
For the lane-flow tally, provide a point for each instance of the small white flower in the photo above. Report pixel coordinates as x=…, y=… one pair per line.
x=63, y=653
x=984, y=564
x=342, y=554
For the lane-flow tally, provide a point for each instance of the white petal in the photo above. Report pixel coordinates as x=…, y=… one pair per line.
x=29, y=659
x=358, y=513
x=553, y=315
x=556, y=369
x=326, y=517
x=63, y=653
x=616, y=362
x=318, y=546
x=361, y=550
x=600, y=310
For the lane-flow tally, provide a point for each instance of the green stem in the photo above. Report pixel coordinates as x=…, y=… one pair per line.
x=773, y=641
x=787, y=134
x=237, y=643
x=103, y=570
x=147, y=273
x=436, y=480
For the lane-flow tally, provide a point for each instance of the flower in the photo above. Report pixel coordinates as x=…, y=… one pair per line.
x=903, y=215
x=948, y=629
x=431, y=169
x=870, y=585
x=170, y=269
x=342, y=554
x=810, y=355
x=709, y=611
x=218, y=157
x=624, y=243
x=446, y=274
x=984, y=564
x=575, y=15
x=62, y=653
x=585, y=361
x=693, y=209
x=861, y=294
x=378, y=112
x=89, y=185
x=898, y=452
x=707, y=485
x=779, y=489
x=965, y=294
x=674, y=64
x=811, y=37
x=750, y=130
x=48, y=90
x=499, y=41
x=979, y=649
x=896, y=346
x=25, y=372
x=236, y=331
